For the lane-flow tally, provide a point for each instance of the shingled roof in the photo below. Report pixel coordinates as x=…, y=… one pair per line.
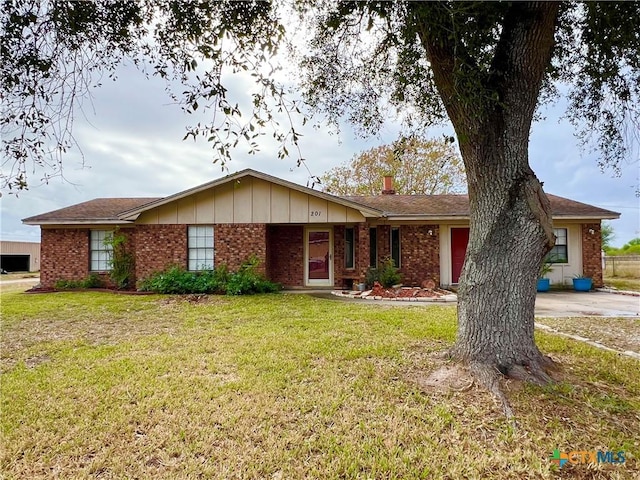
x=444, y=206
x=428, y=207
x=99, y=210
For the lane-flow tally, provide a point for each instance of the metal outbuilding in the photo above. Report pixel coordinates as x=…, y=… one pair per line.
x=19, y=256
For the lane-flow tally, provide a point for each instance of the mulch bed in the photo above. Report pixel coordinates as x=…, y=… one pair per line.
x=378, y=292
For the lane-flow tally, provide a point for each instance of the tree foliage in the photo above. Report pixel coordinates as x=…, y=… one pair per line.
x=632, y=247
x=362, y=59
x=54, y=53
x=595, y=58
x=608, y=234
x=418, y=166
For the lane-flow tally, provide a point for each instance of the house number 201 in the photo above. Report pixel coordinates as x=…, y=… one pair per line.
x=315, y=213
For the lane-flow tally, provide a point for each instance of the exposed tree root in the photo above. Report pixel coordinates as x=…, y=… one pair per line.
x=533, y=371
x=488, y=377
x=457, y=375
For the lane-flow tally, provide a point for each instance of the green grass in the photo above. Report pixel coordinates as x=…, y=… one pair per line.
x=632, y=284
x=282, y=386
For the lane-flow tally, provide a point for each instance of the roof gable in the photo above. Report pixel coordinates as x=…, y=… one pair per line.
x=234, y=181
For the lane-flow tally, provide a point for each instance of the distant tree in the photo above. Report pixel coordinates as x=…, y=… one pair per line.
x=632, y=247
x=608, y=234
x=417, y=165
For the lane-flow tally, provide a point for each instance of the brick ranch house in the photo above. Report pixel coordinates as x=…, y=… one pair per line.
x=304, y=238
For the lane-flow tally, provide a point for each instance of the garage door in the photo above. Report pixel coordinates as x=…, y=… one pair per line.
x=14, y=263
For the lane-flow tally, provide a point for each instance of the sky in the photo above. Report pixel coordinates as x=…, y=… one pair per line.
x=131, y=137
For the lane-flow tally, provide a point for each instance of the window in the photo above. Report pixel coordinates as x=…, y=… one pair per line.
x=200, y=247
x=349, y=247
x=558, y=253
x=373, y=247
x=100, y=255
x=395, y=246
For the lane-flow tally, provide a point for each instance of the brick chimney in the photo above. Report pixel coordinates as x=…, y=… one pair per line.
x=388, y=186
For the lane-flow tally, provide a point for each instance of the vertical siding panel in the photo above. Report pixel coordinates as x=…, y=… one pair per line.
x=204, y=207
x=299, y=207
x=318, y=210
x=168, y=214
x=186, y=210
x=261, y=202
x=337, y=213
x=242, y=203
x=354, y=216
x=280, y=212
x=223, y=207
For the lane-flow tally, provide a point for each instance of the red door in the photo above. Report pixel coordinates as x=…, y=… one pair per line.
x=459, y=241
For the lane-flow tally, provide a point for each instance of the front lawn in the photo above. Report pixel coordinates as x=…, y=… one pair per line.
x=283, y=386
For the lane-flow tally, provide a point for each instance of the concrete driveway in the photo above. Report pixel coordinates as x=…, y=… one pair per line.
x=581, y=304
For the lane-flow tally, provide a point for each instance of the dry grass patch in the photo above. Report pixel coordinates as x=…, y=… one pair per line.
x=618, y=333
x=282, y=386
x=631, y=284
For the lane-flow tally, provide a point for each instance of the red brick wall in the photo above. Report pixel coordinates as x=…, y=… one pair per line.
x=64, y=255
x=591, y=253
x=65, y=252
x=343, y=276
x=362, y=249
x=419, y=254
x=157, y=247
x=384, y=242
x=234, y=243
x=285, y=261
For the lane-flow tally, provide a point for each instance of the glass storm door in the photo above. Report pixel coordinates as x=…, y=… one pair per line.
x=319, y=257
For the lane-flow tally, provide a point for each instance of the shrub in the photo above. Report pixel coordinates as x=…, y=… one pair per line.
x=172, y=280
x=247, y=280
x=178, y=280
x=387, y=274
x=92, y=281
x=121, y=262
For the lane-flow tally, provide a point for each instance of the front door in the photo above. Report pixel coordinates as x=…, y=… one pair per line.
x=459, y=241
x=319, y=257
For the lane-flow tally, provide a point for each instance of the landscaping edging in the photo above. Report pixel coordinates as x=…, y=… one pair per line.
x=618, y=292
x=628, y=353
x=418, y=295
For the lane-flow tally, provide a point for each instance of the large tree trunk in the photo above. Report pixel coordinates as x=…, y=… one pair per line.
x=492, y=110
x=510, y=233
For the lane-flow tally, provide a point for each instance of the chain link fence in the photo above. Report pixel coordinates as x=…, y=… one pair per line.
x=627, y=266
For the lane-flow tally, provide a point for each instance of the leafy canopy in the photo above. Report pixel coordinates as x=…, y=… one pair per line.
x=418, y=166
x=359, y=60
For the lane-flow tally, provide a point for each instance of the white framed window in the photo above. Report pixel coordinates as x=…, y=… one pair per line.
x=559, y=253
x=100, y=250
x=200, y=241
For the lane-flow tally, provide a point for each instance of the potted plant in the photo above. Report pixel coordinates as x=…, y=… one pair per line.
x=543, y=281
x=582, y=283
